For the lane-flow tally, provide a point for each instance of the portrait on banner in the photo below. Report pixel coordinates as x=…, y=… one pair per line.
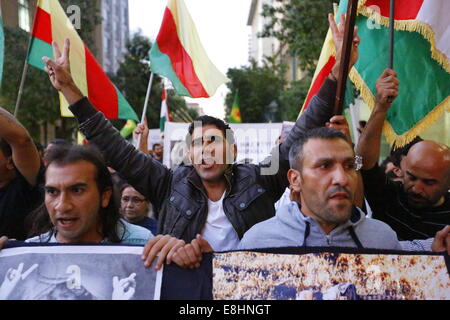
x=77, y=273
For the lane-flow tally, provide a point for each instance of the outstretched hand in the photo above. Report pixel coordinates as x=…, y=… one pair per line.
x=338, y=32
x=124, y=289
x=60, y=74
x=59, y=68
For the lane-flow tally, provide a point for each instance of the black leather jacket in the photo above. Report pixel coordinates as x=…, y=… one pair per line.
x=179, y=195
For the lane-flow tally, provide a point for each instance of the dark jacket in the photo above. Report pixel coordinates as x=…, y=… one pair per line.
x=179, y=195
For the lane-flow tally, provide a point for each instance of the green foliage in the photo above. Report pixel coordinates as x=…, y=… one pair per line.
x=132, y=79
x=300, y=24
x=292, y=99
x=258, y=87
x=39, y=99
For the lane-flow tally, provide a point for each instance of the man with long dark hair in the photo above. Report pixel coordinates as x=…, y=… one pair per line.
x=79, y=203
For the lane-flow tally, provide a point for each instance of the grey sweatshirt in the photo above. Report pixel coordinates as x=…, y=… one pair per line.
x=287, y=229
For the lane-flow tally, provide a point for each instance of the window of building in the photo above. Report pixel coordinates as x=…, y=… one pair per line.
x=24, y=15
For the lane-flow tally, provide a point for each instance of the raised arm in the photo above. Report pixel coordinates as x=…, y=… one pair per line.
x=24, y=153
x=370, y=141
x=140, y=170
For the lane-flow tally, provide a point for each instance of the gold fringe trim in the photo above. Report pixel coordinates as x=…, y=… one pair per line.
x=388, y=131
x=412, y=26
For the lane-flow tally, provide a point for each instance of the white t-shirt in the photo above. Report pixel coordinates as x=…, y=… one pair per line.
x=218, y=230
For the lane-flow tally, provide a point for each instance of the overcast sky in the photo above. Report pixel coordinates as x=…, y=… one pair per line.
x=221, y=25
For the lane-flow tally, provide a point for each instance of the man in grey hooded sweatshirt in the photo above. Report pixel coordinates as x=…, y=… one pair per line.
x=324, y=173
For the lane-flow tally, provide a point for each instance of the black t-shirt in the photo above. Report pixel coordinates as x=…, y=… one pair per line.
x=17, y=200
x=388, y=203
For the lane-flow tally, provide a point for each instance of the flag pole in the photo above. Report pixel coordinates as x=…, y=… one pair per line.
x=22, y=83
x=346, y=53
x=25, y=70
x=147, y=98
x=391, y=34
x=391, y=39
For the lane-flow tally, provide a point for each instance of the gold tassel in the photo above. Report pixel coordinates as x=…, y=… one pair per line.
x=390, y=134
x=412, y=26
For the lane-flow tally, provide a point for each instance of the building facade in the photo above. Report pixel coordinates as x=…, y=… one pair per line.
x=115, y=33
x=260, y=48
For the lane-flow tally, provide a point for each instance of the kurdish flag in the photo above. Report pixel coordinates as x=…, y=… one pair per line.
x=52, y=24
x=179, y=56
x=235, y=116
x=165, y=114
x=128, y=129
x=422, y=62
x=326, y=62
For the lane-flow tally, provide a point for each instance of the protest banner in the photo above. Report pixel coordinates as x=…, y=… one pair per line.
x=254, y=141
x=330, y=276
x=77, y=273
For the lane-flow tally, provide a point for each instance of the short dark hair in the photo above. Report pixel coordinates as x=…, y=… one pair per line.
x=296, y=153
x=219, y=124
x=60, y=142
x=126, y=186
x=109, y=216
x=156, y=145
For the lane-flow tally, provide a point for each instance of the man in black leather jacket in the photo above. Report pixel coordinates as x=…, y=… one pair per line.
x=181, y=197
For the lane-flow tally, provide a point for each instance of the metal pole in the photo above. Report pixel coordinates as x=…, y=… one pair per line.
x=346, y=53
x=391, y=34
x=391, y=40
x=144, y=112
x=22, y=83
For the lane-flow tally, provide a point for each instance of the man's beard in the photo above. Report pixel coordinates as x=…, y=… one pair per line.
x=424, y=203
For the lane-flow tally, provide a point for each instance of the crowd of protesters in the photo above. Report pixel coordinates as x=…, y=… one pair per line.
x=69, y=195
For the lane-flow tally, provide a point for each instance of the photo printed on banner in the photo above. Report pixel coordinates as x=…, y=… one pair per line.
x=329, y=276
x=77, y=273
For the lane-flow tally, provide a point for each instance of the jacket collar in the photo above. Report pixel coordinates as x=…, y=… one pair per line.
x=294, y=210
x=196, y=181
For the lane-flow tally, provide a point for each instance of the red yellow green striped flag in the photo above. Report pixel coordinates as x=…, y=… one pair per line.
x=52, y=24
x=165, y=113
x=179, y=55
